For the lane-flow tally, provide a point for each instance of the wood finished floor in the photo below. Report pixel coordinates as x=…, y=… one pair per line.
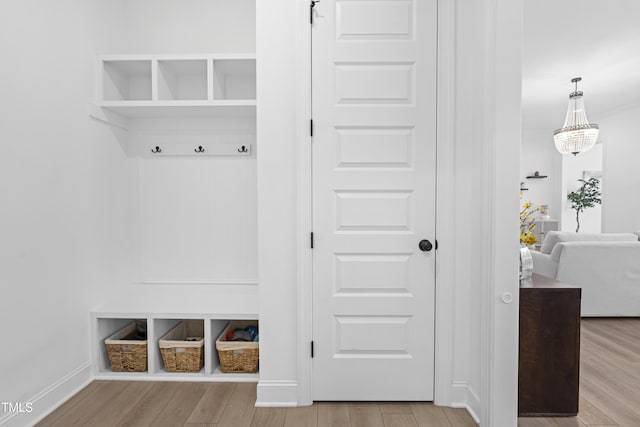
x=609, y=377
x=609, y=390
x=174, y=404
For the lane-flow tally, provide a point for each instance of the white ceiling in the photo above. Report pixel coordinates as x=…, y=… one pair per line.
x=598, y=40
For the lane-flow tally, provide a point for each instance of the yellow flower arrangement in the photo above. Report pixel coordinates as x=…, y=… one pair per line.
x=527, y=224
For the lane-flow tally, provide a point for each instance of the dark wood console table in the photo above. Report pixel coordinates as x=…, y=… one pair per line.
x=549, y=358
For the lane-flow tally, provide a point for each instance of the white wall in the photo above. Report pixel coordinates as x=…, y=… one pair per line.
x=198, y=214
x=617, y=156
x=190, y=26
x=277, y=200
x=500, y=293
x=572, y=170
x=65, y=221
x=203, y=192
x=468, y=170
x=486, y=171
x=538, y=153
x=70, y=183
x=621, y=180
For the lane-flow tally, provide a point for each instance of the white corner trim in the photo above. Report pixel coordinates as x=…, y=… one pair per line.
x=463, y=395
x=499, y=322
x=47, y=400
x=445, y=205
x=274, y=394
x=305, y=209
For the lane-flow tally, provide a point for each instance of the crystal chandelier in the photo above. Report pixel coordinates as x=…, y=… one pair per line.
x=577, y=135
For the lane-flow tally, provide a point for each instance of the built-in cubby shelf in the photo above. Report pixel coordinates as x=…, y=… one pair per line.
x=197, y=221
x=162, y=313
x=177, y=85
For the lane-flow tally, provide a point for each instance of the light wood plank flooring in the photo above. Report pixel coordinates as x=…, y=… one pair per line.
x=175, y=404
x=609, y=388
x=609, y=376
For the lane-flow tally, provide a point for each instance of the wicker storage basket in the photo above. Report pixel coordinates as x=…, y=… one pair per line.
x=182, y=348
x=238, y=356
x=126, y=353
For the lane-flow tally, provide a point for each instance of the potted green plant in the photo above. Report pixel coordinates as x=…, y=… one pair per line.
x=587, y=196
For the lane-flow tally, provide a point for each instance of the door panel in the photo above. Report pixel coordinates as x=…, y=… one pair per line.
x=374, y=98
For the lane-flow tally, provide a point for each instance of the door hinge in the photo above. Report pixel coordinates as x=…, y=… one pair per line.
x=311, y=127
x=311, y=6
x=312, y=349
x=312, y=240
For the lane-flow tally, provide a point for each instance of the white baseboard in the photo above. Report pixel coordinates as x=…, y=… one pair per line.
x=50, y=398
x=277, y=394
x=463, y=395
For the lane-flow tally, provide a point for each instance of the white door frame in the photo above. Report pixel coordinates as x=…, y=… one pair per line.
x=445, y=267
x=498, y=404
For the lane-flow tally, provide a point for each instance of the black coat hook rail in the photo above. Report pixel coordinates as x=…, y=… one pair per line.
x=167, y=149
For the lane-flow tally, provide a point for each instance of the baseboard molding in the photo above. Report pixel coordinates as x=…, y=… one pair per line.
x=50, y=398
x=277, y=394
x=463, y=395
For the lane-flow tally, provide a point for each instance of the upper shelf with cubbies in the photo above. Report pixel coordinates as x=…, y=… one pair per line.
x=177, y=85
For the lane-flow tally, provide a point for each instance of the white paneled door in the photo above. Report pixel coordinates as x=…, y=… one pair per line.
x=374, y=148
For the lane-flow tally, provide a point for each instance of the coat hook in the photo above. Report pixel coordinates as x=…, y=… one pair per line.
x=242, y=150
x=157, y=150
x=200, y=149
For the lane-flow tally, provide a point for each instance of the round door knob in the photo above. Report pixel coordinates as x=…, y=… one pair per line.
x=425, y=245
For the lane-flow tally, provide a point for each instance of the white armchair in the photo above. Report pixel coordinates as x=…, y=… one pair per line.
x=605, y=266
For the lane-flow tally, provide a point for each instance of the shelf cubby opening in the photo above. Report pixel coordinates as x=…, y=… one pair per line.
x=187, y=330
x=106, y=327
x=234, y=79
x=235, y=358
x=183, y=79
x=127, y=80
